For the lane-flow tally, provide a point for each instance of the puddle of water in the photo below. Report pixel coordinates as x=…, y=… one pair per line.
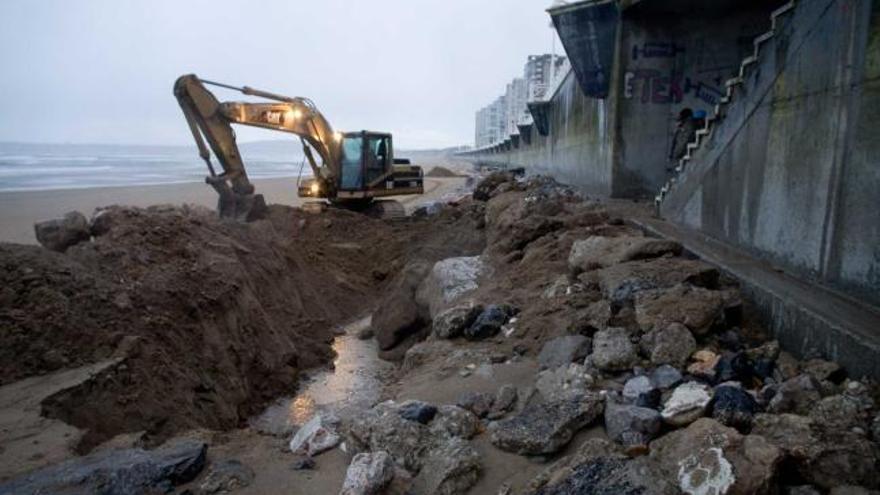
x=354, y=384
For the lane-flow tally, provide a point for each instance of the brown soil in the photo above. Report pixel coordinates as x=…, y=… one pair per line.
x=441, y=172
x=210, y=318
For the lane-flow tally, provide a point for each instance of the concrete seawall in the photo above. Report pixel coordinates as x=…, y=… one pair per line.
x=785, y=170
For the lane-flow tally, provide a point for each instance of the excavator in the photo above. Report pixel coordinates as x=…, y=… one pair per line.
x=354, y=170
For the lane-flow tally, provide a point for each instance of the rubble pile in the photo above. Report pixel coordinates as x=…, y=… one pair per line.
x=632, y=335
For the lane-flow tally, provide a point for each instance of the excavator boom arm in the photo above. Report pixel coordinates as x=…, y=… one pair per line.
x=209, y=120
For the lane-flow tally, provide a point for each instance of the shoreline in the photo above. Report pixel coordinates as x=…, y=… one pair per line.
x=19, y=210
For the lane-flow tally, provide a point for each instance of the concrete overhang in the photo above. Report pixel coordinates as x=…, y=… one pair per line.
x=588, y=30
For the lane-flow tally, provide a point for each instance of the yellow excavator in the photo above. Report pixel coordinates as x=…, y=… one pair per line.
x=355, y=168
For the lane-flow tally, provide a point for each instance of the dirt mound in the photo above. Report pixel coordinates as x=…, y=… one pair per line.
x=441, y=172
x=210, y=318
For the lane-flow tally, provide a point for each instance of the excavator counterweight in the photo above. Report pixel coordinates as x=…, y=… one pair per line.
x=354, y=167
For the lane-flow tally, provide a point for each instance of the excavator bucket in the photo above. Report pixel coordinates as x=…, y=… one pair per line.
x=241, y=207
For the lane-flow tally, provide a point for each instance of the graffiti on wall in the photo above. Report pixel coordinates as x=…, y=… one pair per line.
x=655, y=86
x=665, y=86
x=656, y=49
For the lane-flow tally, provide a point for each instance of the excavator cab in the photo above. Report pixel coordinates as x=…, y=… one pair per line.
x=367, y=170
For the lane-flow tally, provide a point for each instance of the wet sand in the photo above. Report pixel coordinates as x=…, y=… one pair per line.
x=19, y=210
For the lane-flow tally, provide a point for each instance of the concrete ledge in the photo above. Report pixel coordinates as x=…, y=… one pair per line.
x=805, y=317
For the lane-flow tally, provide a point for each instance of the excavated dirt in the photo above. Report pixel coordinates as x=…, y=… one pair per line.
x=211, y=318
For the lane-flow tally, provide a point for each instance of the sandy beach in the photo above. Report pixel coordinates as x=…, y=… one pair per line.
x=19, y=210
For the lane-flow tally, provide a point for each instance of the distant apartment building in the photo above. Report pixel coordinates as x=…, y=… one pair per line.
x=541, y=71
x=516, y=96
x=498, y=120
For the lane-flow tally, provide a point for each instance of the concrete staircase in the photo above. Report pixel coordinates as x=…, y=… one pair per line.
x=733, y=86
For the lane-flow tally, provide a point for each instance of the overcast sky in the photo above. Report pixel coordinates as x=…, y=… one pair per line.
x=101, y=71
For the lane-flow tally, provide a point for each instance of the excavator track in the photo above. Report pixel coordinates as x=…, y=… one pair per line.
x=385, y=209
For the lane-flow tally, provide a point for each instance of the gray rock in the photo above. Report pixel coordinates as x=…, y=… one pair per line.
x=687, y=403
x=116, y=471
x=613, y=350
x=631, y=425
x=563, y=351
x=797, y=395
x=489, y=322
x=597, y=252
x=665, y=377
x=60, y=234
x=505, y=401
x=563, y=382
x=671, y=345
x=451, y=469
x=318, y=435
x=545, y=428
x=838, y=412
x=822, y=370
x=448, y=281
x=398, y=314
x=479, y=403
x=368, y=474
x=452, y=322
x=635, y=387
x=620, y=283
x=226, y=476
x=694, y=307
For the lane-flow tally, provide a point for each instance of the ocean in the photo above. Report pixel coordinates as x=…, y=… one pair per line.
x=29, y=166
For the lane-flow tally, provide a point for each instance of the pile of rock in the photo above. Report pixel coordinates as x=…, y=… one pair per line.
x=692, y=402
x=413, y=445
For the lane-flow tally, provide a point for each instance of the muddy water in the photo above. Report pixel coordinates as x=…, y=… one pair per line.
x=354, y=383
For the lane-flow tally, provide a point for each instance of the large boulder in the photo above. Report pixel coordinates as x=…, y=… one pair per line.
x=694, y=307
x=600, y=467
x=708, y=457
x=398, y=314
x=672, y=344
x=620, y=283
x=61, y=233
x=599, y=252
x=613, y=350
x=631, y=425
x=824, y=458
x=447, y=281
x=563, y=382
x=546, y=427
x=450, y=469
x=797, y=395
x=563, y=351
x=117, y=471
x=413, y=440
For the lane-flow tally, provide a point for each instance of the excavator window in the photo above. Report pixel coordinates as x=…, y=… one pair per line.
x=352, y=171
x=377, y=157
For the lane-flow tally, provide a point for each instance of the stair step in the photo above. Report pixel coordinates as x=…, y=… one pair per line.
x=780, y=11
x=760, y=40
